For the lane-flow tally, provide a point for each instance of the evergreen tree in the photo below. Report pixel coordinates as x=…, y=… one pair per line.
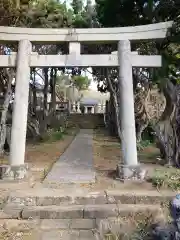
x=77, y=6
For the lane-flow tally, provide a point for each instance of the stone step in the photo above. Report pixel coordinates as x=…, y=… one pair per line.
x=80, y=211
x=53, y=235
x=48, y=224
x=21, y=225
x=76, y=196
x=69, y=235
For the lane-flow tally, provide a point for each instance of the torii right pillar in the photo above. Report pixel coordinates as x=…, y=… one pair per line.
x=129, y=168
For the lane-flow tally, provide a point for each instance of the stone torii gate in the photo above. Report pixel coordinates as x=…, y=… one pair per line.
x=124, y=59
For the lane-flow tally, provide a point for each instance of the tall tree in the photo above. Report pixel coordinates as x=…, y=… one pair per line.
x=130, y=13
x=33, y=13
x=77, y=6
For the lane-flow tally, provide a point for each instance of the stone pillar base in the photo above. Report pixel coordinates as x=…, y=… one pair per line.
x=132, y=173
x=8, y=172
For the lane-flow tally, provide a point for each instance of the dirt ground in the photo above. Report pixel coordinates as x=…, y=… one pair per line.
x=40, y=158
x=106, y=156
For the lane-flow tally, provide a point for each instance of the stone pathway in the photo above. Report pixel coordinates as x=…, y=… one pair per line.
x=76, y=164
x=58, y=234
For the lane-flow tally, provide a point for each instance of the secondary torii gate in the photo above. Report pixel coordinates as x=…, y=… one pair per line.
x=124, y=59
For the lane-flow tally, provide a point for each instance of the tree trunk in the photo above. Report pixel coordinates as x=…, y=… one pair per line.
x=52, y=111
x=168, y=128
x=34, y=92
x=177, y=129
x=117, y=115
x=116, y=106
x=111, y=117
x=5, y=111
x=140, y=129
x=33, y=126
x=54, y=75
x=45, y=107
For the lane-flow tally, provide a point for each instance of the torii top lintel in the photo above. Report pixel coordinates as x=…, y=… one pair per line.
x=151, y=31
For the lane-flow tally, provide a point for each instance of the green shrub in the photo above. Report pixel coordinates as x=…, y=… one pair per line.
x=167, y=178
x=143, y=144
x=57, y=136
x=54, y=134
x=142, y=232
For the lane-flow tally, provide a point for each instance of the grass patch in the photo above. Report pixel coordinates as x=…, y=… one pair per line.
x=149, y=154
x=23, y=235
x=53, y=135
x=140, y=230
x=166, y=178
x=143, y=144
x=57, y=136
x=150, y=157
x=143, y=231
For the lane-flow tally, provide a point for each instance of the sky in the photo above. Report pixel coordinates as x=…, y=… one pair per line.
x=69, y=1
x=93, y=85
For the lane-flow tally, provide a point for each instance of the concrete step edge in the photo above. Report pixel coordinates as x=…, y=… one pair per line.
x=64, y=224
x=46, y=197
x=62, y=234
x=48, y=224
x=79, y=211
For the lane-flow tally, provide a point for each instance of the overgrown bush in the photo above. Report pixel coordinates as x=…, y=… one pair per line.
x=142, y=231
x=54, y=134
x=166, y=178
x=143, y=144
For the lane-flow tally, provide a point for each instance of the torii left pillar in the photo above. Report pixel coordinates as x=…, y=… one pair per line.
x=17, y=169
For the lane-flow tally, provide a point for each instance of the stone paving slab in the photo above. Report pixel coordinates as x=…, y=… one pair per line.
x=49, y=196
x=80, y=211
x=49, y=224
x=68, y=235
x=51, y=235
x=53, y=212
x=76, y=164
